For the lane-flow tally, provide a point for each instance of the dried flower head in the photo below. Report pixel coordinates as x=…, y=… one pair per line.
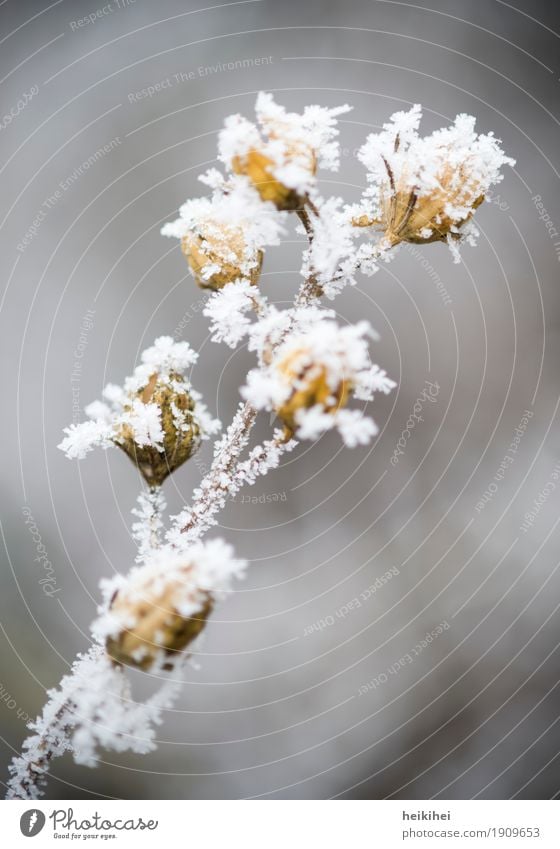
x=313, y=375
x=156, y=418
x=427, y=189
x=281, y=154
x=162, y=606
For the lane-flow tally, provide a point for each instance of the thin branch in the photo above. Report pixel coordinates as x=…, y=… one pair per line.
x=147, y=532
x=311, y=289
x=215, y=487
x=29, y=775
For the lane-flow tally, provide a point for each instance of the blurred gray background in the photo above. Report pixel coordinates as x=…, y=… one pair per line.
x=272, y=712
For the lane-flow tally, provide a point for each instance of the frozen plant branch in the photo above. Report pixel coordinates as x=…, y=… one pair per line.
x=211, y=496
x=146, y=532
x=308, y=371
x=93, y=707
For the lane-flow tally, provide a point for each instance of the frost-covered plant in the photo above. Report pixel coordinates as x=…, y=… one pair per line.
x=311, y=377
x=156, y=417
x=308, y=371
x=427, y=189
x=151, y=614
x=280, y=154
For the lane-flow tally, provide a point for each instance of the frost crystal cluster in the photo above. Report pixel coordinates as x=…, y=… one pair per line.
x=312, y=374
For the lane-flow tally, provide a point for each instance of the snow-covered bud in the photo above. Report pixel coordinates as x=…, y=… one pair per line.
x=218, y=255
x=156, y=417
x=159, y=608
x=427, y=189
x=313, y=375
x=281, y=155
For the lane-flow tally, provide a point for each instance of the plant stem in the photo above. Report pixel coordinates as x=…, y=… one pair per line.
x=215, y=487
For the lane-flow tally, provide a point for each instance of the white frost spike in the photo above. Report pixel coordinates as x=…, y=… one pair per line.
x=227, y=311
x=82, y=438
x=317, y=126
x=146, y=532
x=233, y=204
x=332, y=257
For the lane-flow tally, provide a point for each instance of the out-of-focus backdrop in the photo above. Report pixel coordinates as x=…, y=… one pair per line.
x=300, y=691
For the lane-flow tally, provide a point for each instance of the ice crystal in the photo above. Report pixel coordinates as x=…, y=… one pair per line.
x=227, y=311
x=92, y=708
x=332, y=255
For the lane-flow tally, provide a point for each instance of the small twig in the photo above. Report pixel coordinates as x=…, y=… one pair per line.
x=311, y=289
x=29, y=775
x=215, y=486
x=146, y=532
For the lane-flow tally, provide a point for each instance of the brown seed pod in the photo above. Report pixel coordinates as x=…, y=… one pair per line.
x=223, y=247
x=259, y=167
x=315, y=390
x=406, y=217
x=157, y=626
x=180, y=428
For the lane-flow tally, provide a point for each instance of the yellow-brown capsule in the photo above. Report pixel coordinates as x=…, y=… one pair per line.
x=181, y=431
x=259, y=166
x=407, y=217
x=223, y=250
x=157, y=627
x=312, y=389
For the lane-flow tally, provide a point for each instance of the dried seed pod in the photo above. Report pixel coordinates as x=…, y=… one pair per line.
x=155, y=624
x=155, y=417
x=180, y=430
x=310, y=388
x=426, y=189
x=218, y=255
x=280, y=153
x=309, y=380
x=152, y=614
x=406, y=217
x=261, y=166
